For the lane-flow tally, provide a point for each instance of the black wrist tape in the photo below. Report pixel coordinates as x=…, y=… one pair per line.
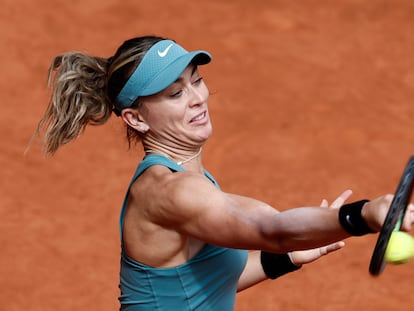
x=351, y=219
x=276, y=265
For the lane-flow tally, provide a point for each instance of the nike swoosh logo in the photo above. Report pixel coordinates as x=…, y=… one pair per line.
x=165, y=52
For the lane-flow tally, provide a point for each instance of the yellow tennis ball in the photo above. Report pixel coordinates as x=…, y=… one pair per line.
x=400, y=248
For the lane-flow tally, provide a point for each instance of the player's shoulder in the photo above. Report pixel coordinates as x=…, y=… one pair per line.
x=171, y=192
x=163, y=178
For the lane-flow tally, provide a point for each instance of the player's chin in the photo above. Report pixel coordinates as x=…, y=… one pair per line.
x=204, y=133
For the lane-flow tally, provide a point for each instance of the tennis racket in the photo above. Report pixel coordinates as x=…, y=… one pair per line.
x=393, y=219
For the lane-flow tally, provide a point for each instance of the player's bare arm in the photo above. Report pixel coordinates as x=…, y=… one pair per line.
x=242, y=222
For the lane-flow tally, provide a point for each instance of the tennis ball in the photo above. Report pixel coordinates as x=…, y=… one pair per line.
x=400, y=248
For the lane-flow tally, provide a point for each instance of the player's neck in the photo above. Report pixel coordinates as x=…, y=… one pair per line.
x=180, y=159
x=182, y=155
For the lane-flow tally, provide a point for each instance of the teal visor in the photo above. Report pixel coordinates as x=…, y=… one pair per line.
x=161, y=66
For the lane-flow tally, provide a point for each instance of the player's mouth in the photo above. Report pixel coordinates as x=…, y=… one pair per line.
x=199, y=118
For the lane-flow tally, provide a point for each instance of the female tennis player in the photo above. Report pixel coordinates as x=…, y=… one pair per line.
x=186, y=244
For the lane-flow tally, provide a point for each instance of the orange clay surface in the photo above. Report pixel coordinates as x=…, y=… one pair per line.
x=309, y=98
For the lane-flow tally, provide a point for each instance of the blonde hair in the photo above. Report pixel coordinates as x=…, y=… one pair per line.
x=84, y=89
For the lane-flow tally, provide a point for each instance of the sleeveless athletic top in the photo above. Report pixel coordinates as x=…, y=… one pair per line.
x=208, y=281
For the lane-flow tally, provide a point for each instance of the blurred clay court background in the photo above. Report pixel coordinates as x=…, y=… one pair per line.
x=310, y=98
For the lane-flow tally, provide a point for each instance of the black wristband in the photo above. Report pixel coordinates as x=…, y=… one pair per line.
x=351, y=219
x=276, y=265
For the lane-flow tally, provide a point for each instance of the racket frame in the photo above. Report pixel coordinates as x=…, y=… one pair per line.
x=393, y=219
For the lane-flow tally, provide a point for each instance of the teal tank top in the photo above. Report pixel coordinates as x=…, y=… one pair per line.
x=208, y=281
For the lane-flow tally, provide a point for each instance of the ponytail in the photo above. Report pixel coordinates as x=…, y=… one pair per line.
x=79, y=98
x=84, y=89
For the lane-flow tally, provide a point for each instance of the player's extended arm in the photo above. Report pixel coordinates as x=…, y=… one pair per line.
x=254, y=273
x=234, y=221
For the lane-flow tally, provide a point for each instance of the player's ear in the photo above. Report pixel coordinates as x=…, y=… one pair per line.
x=134, y=119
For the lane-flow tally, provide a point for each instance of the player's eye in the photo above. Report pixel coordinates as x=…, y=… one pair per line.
x=198, y=80
x=176, y=93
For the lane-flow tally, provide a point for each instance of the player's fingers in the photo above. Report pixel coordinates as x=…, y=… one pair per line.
x=341, y=199
x=408, y=218
x=310, y=255
x=331, y=247
x=324, y=203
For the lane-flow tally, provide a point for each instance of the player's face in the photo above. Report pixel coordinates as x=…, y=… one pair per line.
x=179, y=114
